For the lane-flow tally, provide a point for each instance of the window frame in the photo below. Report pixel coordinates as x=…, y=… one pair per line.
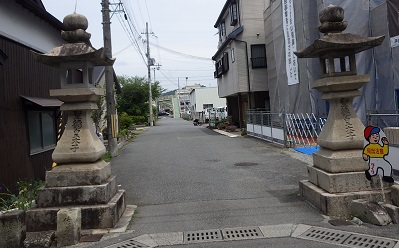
x=258, y=61
x=222, y=30
x=41, y=127
x=233, y=14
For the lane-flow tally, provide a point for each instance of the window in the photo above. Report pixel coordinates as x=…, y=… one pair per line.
x=207, y=105
x=225, y=62
x=397, y=98
x=233, y=56
x=222, y=30
x=258, y=56
x=222, y=66
x=42, y=131
x=233, y=14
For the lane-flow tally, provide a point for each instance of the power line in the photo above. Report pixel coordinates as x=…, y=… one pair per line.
x=180, y=53
x=130, y=30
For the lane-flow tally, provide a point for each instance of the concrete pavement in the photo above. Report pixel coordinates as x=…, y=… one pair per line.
x=186, y=178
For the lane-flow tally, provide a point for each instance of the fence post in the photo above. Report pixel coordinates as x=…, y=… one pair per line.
x=285, y=132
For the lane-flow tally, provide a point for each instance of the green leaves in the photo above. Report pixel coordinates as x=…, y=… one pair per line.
x=135, y=95
x=25, y=198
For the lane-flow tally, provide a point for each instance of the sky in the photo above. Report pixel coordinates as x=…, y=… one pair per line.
x=182, y=36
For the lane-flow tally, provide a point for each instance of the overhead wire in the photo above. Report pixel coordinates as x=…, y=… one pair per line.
x=130, y=33
x=180, y=53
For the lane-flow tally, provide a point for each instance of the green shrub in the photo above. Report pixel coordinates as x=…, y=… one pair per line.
x=139, y=119
x=123, y=132
x=25, y=199
x=125, y=121
x=107, y=157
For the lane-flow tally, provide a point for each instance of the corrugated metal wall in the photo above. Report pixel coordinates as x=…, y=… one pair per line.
x=21, y=75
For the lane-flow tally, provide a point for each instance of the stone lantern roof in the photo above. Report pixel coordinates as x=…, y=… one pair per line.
x=77, y=48
x=334, y=40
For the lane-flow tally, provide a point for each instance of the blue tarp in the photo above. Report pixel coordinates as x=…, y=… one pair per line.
x=307, y=150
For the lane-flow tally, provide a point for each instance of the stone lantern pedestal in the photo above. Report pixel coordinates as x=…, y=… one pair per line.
x=81, y=178
x=338, y=173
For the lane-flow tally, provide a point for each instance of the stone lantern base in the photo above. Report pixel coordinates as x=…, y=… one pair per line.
x=90, y=187
x=333, y=193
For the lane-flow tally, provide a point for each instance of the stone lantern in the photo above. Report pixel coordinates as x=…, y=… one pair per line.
x=81, y=178
x=337, y=176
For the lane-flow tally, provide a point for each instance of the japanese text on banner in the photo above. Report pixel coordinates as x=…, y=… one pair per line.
x=290, y=42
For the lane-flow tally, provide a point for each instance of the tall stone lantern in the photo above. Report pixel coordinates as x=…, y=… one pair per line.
x=81, y=178
x=337, y=176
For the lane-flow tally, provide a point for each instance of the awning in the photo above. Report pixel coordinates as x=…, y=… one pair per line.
x=43, y=102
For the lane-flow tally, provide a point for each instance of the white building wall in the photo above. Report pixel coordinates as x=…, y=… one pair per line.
x=22, y=26
x=208, y=95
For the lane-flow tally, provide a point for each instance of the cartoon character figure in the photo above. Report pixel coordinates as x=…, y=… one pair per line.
x=374, y=152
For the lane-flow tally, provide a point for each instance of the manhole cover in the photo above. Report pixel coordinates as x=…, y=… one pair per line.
x=325, y=235
x=128, y=244
x=241, y=233
x=245, y=164
x=202, y=236
x=357, y=240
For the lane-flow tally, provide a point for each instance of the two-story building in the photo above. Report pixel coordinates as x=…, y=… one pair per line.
x=240, y=61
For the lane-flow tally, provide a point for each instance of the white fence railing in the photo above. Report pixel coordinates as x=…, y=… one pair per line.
x=289, y=130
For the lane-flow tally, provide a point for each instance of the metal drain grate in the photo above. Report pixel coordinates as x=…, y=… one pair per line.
x=346, y=239
x=202, y=236
x=357, y=240
x=128, y=244
x=325, y=235
x=241, y=233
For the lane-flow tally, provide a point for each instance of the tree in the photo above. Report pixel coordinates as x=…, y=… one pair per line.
x=98, y=115
x=134, y=97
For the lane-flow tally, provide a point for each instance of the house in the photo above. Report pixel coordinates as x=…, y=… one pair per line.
x=240, y=60
x=202, y=99
x=183, y=96
x=28, y=123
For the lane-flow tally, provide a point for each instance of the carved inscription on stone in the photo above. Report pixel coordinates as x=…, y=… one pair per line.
x=77, y=126
x=349, y=129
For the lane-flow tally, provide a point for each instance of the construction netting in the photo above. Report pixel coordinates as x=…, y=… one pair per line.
x=364, y=17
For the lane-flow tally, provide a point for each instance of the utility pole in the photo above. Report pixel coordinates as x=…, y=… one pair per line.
x=178, y=95
x=149, y=63
x=109, y=81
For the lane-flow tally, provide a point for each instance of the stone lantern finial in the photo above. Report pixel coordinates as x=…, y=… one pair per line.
x=332, y=20
x=75, y=28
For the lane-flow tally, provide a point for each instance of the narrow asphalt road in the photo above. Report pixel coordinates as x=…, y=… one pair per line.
x=184, y=178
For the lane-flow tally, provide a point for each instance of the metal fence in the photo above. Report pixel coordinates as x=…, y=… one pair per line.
x=290, y=130
x=383, y=118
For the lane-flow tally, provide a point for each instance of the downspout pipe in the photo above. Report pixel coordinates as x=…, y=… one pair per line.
x=248, y=77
